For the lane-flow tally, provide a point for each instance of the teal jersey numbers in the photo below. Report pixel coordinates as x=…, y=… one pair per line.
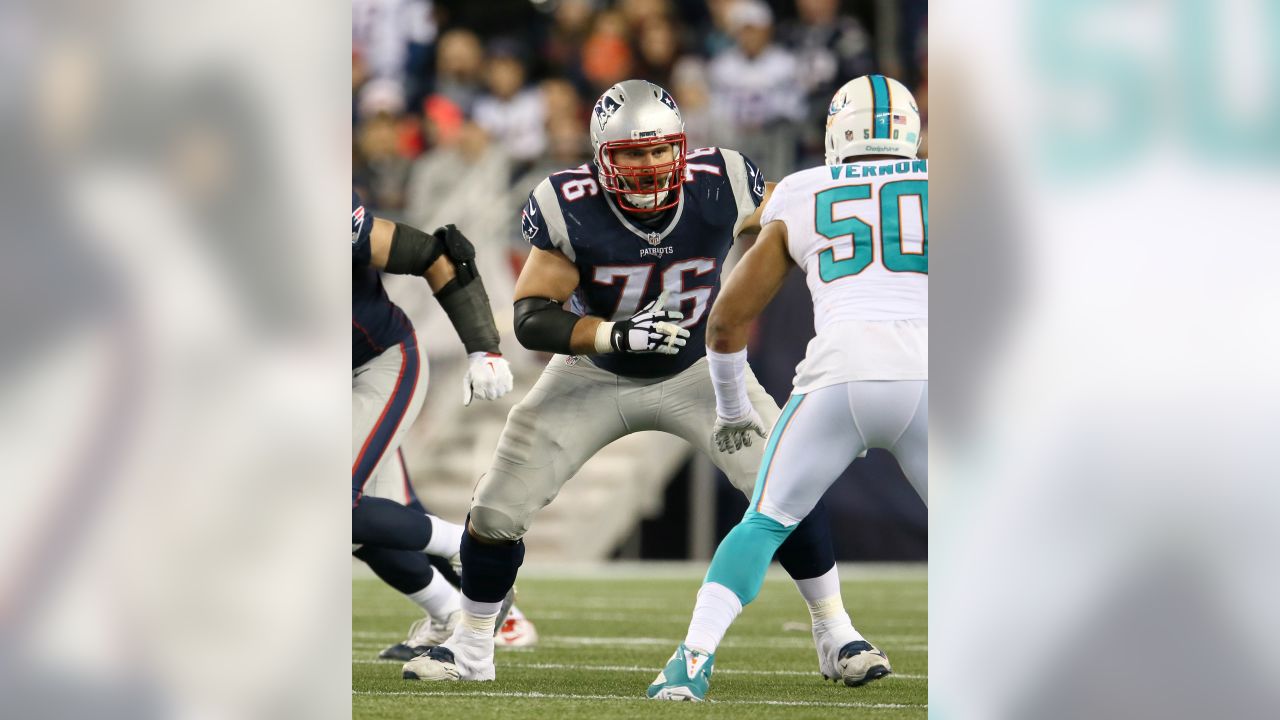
x=832, y=229
x=891, y=195
x=862, y=234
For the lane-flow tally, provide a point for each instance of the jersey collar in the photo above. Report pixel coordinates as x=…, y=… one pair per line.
x=651, y=237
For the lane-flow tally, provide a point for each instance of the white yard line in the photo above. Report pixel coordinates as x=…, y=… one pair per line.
x=566, y=696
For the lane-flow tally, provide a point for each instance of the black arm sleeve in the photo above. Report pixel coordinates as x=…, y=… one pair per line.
x=412, y=251
x=544, y=325
x=467, y=306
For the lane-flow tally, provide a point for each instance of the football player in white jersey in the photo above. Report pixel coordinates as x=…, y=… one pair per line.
x=858, y=227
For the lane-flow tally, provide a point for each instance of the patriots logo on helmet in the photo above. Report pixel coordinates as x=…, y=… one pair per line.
x=605, y=108
x=667, y=100
x=528, y=226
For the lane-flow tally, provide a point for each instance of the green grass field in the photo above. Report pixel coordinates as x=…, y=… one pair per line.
x=605, y=635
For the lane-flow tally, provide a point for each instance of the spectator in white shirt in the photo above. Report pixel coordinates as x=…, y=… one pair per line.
x=755, y=81
x=512, y=114
x=755, y=84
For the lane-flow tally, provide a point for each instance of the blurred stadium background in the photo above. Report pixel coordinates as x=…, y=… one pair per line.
x=460, y=108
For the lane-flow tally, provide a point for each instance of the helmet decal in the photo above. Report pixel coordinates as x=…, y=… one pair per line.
x=605, y=108
x=667, y=100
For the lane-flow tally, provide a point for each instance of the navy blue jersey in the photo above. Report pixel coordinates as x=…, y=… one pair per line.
x=624, y=264
x=376, y=322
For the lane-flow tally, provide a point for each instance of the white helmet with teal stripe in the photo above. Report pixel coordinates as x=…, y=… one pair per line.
x=872, y=115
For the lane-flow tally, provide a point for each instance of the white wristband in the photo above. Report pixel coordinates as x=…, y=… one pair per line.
x=603, y=343
x=728, y=377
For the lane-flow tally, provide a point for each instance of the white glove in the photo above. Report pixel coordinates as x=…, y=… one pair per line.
x=731, y=435
x=648, y=331
x=488, y=377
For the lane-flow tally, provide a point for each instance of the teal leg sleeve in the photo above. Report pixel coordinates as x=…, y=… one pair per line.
x=745, y=553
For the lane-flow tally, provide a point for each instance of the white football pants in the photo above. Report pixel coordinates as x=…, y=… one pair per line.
x=821, y=432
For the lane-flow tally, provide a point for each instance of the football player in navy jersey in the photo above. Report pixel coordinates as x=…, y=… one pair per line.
x=388, y=385
x=634, y=242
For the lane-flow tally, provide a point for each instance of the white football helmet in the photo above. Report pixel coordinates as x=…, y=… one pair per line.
x=636, y=114
x=872, y=115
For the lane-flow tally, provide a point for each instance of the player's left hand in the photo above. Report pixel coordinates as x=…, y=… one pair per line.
x=732, y=435
x=488, y=377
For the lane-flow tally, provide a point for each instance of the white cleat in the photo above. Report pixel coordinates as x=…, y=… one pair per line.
x=853, y=662
x=435, y=664
x=423, y=635
x=861, y=662
x=464, y=658
x=679, y=694
x=438, y=631
x=828, y=641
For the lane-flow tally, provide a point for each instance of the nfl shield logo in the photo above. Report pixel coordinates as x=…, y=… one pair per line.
x=654, y=238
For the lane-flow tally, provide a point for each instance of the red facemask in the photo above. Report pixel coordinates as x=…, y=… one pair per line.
x=646, y=179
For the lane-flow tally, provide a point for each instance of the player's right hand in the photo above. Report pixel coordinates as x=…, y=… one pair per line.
x=731, y=435
x=651, y=330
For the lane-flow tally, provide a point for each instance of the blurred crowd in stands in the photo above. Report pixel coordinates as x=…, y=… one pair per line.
x=457, y=103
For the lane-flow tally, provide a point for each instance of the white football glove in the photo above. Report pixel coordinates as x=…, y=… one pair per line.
x=650, y=330
x=488, y=377
x=731, y=435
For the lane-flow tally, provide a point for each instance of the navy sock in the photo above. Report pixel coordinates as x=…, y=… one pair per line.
x=404, y=570
x=387, y=524
x=489, y=570
x=808, y=552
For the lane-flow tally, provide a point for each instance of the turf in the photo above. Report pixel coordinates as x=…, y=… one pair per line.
x=604, y=638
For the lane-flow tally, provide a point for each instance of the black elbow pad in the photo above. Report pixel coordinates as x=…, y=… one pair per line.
x=544, y=325
x=412, y=251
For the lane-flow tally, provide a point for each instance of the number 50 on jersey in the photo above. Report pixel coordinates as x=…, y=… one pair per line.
x=903, y=230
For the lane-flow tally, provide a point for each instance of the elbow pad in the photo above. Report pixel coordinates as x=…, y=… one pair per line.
x=412, y=251
x=544, y=325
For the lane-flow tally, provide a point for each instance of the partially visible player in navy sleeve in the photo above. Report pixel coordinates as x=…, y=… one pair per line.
x=388, y=385
x=376, y=322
